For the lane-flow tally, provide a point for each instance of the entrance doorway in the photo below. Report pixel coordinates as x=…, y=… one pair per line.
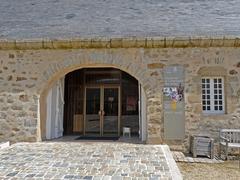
x=97, y=102
x=100, y=102
x=102, y=110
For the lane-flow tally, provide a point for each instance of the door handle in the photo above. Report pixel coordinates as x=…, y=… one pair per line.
x=101, y=113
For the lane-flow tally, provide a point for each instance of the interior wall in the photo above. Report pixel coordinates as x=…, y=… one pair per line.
x=130, y=103
x=73, y=108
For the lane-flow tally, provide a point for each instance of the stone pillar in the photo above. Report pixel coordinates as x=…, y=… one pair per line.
x=154, y=119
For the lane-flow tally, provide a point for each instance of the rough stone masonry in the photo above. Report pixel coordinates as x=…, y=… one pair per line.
x=29, y=68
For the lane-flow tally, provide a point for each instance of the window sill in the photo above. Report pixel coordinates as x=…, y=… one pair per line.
x=206, y=114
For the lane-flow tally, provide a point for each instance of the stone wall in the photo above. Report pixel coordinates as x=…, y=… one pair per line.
x=26, y=76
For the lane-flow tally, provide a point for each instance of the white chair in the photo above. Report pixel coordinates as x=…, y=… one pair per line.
x=127, y=131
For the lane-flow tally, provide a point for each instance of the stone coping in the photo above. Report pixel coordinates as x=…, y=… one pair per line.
x=148, y=42
x=174, y=170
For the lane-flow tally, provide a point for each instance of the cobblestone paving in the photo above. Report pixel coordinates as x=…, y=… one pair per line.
x=98, y=160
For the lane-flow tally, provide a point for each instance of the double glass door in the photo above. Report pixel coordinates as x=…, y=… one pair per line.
x=102, y=110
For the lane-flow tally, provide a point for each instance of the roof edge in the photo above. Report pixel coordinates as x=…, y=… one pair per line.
x=128, y=42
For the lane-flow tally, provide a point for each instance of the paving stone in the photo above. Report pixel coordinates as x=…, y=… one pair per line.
x=69, y=177
x=88, y=177
x=89, y=161
x=12, y=174
x=30, y=175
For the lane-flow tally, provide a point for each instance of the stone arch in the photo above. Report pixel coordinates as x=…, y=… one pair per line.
x=138, y=70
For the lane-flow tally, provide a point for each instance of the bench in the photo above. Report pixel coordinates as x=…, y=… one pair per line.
x=228, y=138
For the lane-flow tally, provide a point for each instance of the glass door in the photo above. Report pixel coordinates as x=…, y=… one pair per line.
x=102, y=110
x=92, y=111
x=111, y=112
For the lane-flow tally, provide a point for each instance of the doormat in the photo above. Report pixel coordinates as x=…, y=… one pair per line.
x=97, y=138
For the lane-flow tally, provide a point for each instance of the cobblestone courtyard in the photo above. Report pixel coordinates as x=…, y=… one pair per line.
x=87, y=160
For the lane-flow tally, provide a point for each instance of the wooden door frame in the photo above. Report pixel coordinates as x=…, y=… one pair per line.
x=84, y=107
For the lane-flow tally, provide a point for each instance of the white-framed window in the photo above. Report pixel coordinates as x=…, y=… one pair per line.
x=213, y=95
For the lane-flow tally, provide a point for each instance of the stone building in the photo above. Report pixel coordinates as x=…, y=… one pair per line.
x=69, y=72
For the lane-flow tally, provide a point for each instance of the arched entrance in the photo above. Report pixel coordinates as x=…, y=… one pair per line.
x=95, y=102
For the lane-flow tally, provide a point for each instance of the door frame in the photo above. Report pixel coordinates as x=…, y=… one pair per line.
x=102, y=87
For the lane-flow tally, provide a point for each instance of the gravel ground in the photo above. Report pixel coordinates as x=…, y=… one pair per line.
x=228, y=170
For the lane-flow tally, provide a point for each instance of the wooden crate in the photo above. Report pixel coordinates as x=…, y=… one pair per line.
x=202, y=146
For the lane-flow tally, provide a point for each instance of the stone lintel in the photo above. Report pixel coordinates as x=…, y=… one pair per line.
x=130, y=42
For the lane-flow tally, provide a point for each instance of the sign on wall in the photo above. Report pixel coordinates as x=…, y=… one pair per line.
x=173, y=94
x=173, y=102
